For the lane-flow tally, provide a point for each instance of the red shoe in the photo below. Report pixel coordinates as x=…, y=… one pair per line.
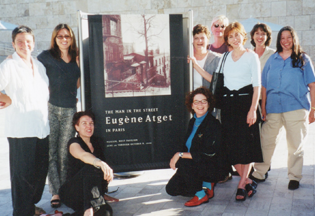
x=196, y=202
x=209, y=192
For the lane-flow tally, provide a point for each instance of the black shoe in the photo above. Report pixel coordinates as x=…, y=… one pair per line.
x=293, y=185
x=256, y=179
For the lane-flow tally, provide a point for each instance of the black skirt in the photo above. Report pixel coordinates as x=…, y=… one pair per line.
x=240, y=142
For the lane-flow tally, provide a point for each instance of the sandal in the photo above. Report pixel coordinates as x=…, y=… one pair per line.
x=250, y=188
x=240, y=192
x=55, y=203
x=254, y=184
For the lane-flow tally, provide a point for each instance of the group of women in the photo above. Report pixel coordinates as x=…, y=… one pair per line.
x=279, y=81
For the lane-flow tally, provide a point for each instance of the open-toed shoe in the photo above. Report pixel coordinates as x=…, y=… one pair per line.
x=250, y=188
x=240, y=192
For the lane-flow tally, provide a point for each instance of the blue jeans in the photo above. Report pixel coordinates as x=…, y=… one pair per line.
x=61, y=130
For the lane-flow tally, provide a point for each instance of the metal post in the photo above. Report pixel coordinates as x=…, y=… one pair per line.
x=80, y=43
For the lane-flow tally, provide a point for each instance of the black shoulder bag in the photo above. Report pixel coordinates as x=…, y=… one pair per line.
x=217, y=83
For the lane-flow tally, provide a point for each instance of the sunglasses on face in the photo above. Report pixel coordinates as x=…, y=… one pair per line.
x=217, y=26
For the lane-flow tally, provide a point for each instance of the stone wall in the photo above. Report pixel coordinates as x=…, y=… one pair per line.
x=44, y=15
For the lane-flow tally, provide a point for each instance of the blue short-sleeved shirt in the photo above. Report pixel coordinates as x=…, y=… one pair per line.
x=286, y=86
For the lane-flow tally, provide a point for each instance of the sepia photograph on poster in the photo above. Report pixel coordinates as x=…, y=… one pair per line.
x=136, y=55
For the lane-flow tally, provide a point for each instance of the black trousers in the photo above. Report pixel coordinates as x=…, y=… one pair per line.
x=187, y=180
x=28, y=170
x=85, y=190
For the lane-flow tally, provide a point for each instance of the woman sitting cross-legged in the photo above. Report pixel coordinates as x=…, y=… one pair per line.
x=198, y=158
x=87, y=175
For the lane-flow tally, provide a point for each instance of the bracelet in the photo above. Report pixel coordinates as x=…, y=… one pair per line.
x=96, y=159
x=313, y=108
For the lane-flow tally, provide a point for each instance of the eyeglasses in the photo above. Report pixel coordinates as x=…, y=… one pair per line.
x=60, y=37
x=196, y=102
x=217, y=26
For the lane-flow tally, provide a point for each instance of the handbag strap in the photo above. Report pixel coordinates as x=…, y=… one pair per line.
x=223, y=61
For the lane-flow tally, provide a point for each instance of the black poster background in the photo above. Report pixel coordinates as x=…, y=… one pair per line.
x=142, y=145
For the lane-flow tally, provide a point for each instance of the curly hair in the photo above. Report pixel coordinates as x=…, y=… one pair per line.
x=201, y=90
x=54, y=49
x=297, y=52
x=263, y=27
x=78, y=115
x=234, y=26
x=201, y=29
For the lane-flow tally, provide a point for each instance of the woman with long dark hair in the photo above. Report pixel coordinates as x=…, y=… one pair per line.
x=63, y=73
x=287, y=79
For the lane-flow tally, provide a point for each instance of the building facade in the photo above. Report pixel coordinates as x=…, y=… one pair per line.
x=43, y=15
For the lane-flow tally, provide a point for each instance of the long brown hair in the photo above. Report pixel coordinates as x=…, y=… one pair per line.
x=54, y=49
x=297, y=52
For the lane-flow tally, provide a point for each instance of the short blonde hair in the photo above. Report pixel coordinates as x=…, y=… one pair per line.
x=234, y=26
x=221, y=18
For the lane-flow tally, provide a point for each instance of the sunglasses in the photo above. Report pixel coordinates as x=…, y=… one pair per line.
x=60, y=37
x=217, y=26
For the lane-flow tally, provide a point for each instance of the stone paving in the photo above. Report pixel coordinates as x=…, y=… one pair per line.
x=145, y=194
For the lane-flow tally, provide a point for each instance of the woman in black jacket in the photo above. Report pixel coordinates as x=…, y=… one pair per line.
x=198, y=160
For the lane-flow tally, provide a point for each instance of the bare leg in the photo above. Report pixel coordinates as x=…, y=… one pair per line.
x=88, y=212
x=243, y=170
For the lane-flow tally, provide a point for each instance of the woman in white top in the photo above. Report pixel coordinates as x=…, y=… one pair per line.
x=241, y=138
x=261, y=40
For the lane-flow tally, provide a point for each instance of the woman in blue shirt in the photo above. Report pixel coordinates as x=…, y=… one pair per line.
x=198, y=158
x=287, y=79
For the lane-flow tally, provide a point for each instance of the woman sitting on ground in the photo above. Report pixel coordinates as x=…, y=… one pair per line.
x=198, y=158
x=87, y=175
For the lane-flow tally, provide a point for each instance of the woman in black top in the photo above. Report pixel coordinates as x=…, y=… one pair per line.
x=63, y=73
x=87, y=174
x=198, y=159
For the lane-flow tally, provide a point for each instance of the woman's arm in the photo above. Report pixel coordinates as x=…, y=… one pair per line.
x=312, y=93
x=5, y=101
x=263, y=103
x=199, y=69
x=175, y=158
x=88, y=158
x=252, y=116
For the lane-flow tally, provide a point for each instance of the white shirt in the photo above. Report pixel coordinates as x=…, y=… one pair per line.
x=265, y=56
x=243, y=72
x=27, y=116
x=197, y=76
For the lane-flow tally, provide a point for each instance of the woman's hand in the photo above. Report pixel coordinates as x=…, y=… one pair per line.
x=311, y=116
x=251, y=117
x=5, y=101
x=174, y=160
x=263, y=114
x=193, y=59
x=108, y=172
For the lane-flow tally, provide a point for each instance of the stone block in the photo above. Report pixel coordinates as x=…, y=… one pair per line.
x=294, y=8
x=308, y=6
x=184, y=3
x=232, y=12
x=94, y=6
x=272, y=19
x=160, y=4
x=302, y=23
x=287, y=21
x=40, y=9
x=278, y=8
x=308, y=38
x=312, y=21
x=83, y=5
x=42, y=34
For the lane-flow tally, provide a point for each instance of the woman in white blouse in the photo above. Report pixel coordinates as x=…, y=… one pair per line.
x=241, y=139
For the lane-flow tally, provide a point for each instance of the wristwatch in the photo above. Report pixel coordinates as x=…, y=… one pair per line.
x=180, y=154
